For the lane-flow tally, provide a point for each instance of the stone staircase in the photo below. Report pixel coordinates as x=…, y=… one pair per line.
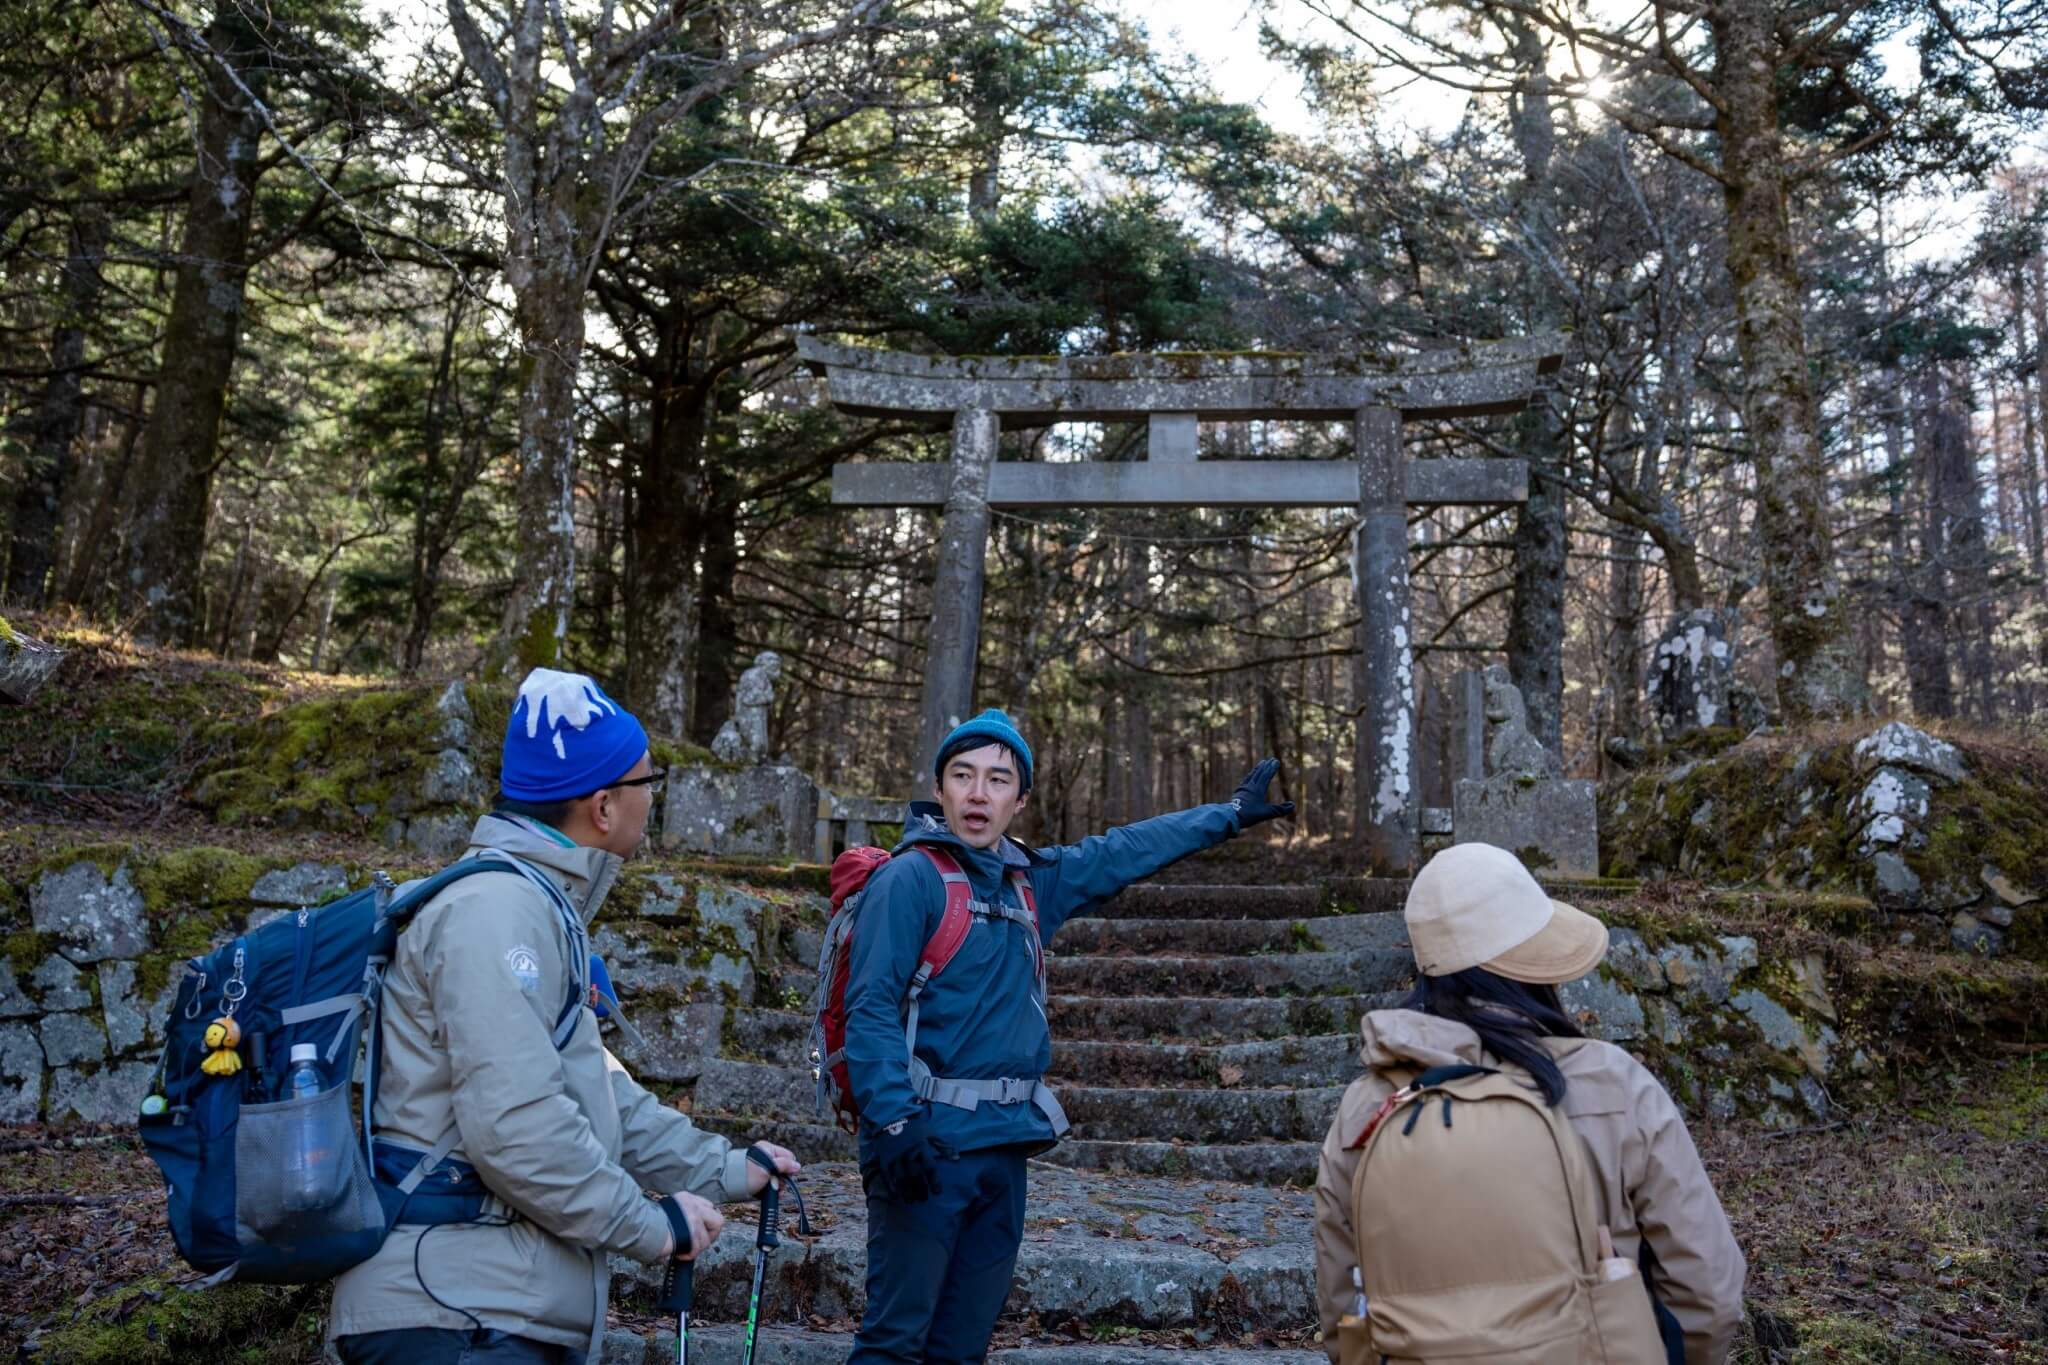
x=1202, y=1036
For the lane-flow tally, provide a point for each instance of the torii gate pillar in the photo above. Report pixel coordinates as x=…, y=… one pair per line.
x=1384, y=676
x=947, y=697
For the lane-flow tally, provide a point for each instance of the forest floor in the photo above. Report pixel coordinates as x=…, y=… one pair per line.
x=1916, y=1234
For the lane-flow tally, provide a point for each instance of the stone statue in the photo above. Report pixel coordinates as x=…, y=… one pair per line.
x=1511, y=751
x=744, y=737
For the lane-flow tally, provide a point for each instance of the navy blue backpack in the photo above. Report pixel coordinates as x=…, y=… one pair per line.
x=220, y=1135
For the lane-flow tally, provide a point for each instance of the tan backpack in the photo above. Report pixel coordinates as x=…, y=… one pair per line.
x=1477, y=1217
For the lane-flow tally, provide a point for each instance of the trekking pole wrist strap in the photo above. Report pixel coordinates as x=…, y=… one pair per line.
x=761, y=1158
x=677, y=1224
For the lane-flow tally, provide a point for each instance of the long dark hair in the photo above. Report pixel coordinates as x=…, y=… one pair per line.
x=1510, y=1018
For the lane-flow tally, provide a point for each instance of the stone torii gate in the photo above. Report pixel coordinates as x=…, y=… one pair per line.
x=979, y=396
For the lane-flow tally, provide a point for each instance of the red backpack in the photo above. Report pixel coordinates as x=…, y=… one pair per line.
x=851, y=871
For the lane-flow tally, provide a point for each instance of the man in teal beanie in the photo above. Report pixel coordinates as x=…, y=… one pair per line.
x=950, y=1112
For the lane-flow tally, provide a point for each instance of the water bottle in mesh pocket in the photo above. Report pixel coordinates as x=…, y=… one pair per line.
x=302, y=1186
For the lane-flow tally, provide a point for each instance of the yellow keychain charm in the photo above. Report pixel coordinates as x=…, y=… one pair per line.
x=221, y=1038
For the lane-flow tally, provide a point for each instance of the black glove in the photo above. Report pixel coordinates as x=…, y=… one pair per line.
x=1250, y=798
x=903, y=1153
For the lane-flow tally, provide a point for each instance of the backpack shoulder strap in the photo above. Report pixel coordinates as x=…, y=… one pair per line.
x=954, y=921
x=940, y=949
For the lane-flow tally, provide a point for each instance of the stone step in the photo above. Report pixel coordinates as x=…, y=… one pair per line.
x=1325, y=1059
x=1229, y=937
x=1242, y=1163
x=1116, y=1113
x=1124, y=1052
x=1102, y=1250
x=726, y=1345
x=1357, y=972
x=1155, y=900
x=1196, y=1019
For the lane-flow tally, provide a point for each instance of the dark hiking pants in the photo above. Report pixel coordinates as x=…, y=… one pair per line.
x=939, y=1271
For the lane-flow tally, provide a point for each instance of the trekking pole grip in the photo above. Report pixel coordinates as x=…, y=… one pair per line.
x=768, y=1234
x=677, y=1286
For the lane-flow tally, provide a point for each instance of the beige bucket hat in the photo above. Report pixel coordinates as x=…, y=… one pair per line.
x=1474, y=905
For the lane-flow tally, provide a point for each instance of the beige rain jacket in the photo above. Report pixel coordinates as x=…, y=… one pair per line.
x=1652, y=1184
x=565, y=1140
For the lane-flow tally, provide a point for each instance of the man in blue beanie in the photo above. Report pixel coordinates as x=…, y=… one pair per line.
x=535, y=1143
x=951, y=1093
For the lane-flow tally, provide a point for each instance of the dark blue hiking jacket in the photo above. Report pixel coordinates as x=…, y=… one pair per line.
x=981, y=1018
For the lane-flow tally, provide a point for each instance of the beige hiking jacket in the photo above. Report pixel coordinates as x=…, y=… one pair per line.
x=1652, y=1184
x=565, y=1140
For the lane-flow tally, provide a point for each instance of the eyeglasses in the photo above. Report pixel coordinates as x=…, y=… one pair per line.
x=654, y=781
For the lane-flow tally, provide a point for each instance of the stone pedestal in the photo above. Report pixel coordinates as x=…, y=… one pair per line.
x=767, y=811
x=1551, y=824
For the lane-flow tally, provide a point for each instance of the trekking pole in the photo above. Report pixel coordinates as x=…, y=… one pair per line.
x=768, y=1236
x=677, y=1289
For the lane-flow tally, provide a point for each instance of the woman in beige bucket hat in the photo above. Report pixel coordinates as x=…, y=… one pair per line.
x=1492, y=948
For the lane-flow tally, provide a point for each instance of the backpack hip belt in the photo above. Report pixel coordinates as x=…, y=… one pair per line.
x=971, y=1095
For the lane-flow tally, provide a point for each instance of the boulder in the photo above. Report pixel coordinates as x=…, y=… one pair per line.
x=21, y=1074
x=1605, y=1008
x=1892, y=805
x=1708, y=971
x=1691, y=667
x=131, y=1023
x=59, y=985
x=641, y=963
x=72, y=1038
x=1813, y=1045
x=112, y=1095
x=452, y=780
x=14, y=1001
x=1973, y=935
x=300, y=884
x=679, y=1041
x=26, y=663
x=1899, y=745
x=94, y=916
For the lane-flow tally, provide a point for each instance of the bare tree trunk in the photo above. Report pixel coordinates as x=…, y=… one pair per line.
x=59, y=415
x=2038, y=270
x=98, y=550
x=1535, y=627
x=718, y=632
x=2032, y=433
x=1924, y=619
x=1958, y=507
x=1808, y=616
x=180, y=450
x=438, y=511
x=665, y=536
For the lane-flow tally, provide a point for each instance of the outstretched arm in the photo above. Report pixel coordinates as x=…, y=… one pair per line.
x=1098, y=867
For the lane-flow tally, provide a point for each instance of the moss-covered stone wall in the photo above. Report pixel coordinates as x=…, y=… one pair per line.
x=1941, y=842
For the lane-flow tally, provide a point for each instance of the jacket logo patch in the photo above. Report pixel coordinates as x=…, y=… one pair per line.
x=524, y=964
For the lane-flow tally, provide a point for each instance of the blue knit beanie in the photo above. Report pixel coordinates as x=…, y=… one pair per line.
x=566, y=739
x=990, y=727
